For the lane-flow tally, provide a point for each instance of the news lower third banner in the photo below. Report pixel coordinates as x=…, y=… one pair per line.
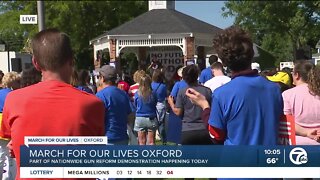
x=102, y=161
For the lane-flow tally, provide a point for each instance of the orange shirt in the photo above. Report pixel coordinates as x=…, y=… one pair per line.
x=50, y=108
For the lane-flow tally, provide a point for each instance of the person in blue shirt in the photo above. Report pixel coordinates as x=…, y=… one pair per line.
x=174, y=122
x=206, y=74
x=160, y=89
x=179, y=84
x=10, y=81
x=117, y=104
x=145, y=101
x=247, y=110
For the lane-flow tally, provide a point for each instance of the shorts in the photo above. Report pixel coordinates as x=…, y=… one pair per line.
x=145, y=124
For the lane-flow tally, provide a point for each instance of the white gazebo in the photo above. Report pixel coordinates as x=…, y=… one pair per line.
x=162, y=28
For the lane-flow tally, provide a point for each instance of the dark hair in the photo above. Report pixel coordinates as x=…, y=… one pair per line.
x=213, y=59
x=310, y=74
x=303, y=68
x=158, y=76
x=74, y=81
x=111, y=80
x=30, y=76
x=83, y=77
x=289, y=72
x=235, y=48
x=51, y=49
x=1, y=74
x=283, y=87
x=217, y=65
x=190, y=74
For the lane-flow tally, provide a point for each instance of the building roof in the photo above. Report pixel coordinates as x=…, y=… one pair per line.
x=100, y=36
x=162, y=21
x=318, y=44
x=316, y=55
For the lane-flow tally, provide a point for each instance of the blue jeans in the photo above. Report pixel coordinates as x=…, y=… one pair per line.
x=161, y=113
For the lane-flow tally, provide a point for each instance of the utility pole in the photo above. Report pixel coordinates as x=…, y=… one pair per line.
x=41, y=23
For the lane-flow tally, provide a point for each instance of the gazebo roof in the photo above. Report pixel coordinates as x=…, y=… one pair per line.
x=162, y=21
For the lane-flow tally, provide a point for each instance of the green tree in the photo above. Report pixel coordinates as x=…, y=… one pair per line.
x=81, y=20
x=11, y=31
x=275, y=24
x=281, y=50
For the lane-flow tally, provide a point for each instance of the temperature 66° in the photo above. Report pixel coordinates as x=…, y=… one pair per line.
x=272, y=160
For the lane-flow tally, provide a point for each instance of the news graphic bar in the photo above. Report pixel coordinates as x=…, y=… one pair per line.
x=98, y=160
x=175, y=172
x=63, y=140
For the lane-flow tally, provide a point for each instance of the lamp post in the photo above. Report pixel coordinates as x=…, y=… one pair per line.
x=40, y=8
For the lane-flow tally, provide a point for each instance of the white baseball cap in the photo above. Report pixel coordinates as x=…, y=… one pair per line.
x=256, y=66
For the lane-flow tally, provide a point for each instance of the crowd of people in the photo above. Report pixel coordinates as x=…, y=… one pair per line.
x=241, y=108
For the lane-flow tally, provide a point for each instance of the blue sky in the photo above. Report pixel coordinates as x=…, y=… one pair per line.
x=207, y=11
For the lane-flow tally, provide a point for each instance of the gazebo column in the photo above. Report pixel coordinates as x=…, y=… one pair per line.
x=142, y=58
x=113, y=54
x=190, y=48
x=113, y=49
x=97, y=59
x=201, y=61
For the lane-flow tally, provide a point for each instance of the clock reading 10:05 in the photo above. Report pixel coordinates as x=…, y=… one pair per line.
x=272, y=151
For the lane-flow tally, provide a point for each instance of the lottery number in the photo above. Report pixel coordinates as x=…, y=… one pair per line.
x=169, y=172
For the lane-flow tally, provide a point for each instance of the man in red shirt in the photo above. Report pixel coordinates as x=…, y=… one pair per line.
x=51, y=107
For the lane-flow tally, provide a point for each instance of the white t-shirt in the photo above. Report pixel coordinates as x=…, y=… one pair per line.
x=216, y=82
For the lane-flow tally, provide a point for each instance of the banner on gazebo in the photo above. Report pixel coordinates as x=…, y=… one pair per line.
x=171, y=60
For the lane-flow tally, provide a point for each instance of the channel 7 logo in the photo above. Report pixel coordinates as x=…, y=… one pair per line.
x=298, y=156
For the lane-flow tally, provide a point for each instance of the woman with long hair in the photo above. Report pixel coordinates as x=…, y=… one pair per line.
x=303, y=103
x=136, y=78
x=146, y=123
x=160, y=89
